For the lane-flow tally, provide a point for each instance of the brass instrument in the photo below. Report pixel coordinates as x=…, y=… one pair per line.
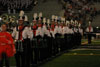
x=4, y=18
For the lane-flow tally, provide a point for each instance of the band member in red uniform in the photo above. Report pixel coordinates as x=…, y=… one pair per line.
x=34, y=27
x=7, y=48
x=52, y=27
x=39, y=37
x=89, y=30
x=17, y=35
x=46, y=39
x=34, y=40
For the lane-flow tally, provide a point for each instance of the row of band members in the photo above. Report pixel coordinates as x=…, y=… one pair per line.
x=22, y=33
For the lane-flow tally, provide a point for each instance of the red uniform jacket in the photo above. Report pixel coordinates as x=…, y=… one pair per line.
x=34, y=29
x=52, y=27
x=6, y=44
x=20, y=33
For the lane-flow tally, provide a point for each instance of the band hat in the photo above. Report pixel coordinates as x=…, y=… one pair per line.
x=72, y=21
x=67, y=22
x=35, y=16
x=48, y=21
x=21, y=13
x=40, y=14
x=26, y=18
x=44, y=20
x=64, y=20
x=39, y=18
x=76, y=22
x=53, y=17
x=56, y=18
x=79, y=25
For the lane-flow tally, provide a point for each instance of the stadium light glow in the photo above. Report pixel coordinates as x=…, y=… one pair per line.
x=0, y=18
x=97, y=27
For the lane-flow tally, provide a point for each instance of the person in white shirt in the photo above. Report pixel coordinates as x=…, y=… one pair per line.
x=52, y=27
x=89, y=31
x=50, y=44
x=22, y=35
x=46, y=36
x=27, y=35
x=61, y=34
x=70, y=36
x=17, y=35
x=65, y=33
x=39, y=37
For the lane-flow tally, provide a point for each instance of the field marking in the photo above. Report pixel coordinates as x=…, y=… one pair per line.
x=75, y=54
x=84, y=49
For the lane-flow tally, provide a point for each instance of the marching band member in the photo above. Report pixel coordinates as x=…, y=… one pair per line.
x=70, y=36
x=65, y=33
x=27, y=35
x=50, y=45
x=61, y=34
x=76, y=33
x=46, y=38
x=63, y=29
x=34, y=40
x=56, y=33
x=89, y=30
x=52, y=35
x=39, y=37
x=7, y=47
x=17, y=35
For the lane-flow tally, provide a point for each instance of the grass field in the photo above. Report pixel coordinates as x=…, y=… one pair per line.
x=94, y=42
x=80, y=58
x=74, y=58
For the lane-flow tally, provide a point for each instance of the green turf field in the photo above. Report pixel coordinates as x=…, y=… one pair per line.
x=78, y=58
x=12, y=61
x=94, y=42
x=74, y=58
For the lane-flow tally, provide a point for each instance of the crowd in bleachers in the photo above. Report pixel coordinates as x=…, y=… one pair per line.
x=16, y=4
x=79, y=10
x=12, y=6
